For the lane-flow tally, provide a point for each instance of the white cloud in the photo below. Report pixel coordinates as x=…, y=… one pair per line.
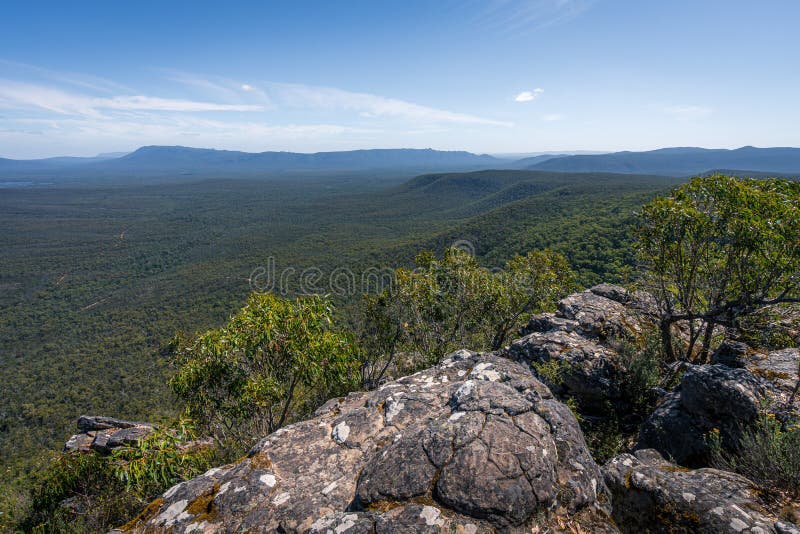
x=527, y=96
x=222, y=89
x=369, y=105
x=551, y=117
x=166, y=104
x=23, y=95
x=688, y=113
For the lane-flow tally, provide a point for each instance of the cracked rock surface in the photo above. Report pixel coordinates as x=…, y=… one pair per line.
x=475, y=444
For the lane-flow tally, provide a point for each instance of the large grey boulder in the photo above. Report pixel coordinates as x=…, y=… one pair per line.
x=653, y=495
x=708, y=397
x=732, y=353
x=779, y=367
x=475, y=444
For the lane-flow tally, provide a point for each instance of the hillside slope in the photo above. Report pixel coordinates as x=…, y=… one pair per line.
x=94, y=279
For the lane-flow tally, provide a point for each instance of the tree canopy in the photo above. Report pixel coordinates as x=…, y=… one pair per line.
x=719, y=248
x=274, y=356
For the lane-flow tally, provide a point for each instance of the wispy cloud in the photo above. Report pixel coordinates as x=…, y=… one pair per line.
x=15, y=69
x=688, y=113
x=514, y=17
x=369, y=105
x=223, y=89
x=23, y=95
x=552, y=117
x=296, y=96
x=527, y=96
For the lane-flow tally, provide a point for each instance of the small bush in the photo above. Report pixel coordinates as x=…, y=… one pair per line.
x=605, y=438
x=768, y=454
x=78, y=493
x=773, y=328
x=162, y=459
x=641, y=368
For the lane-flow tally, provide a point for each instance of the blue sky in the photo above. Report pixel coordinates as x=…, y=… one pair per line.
x=79, y=78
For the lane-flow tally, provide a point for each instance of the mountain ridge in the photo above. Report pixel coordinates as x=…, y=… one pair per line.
x=181, y=159
x=679, y=161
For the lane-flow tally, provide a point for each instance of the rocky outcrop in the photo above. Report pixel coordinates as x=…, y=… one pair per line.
x=708, y=397
x=725, y=397
x=479, y=444
x=104, y=434
x=474, y=444
x=653, y=495
x=582, y=339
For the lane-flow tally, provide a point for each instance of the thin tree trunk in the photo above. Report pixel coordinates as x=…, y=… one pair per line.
x=286, y=404
x=666, y=338
x=704, y=351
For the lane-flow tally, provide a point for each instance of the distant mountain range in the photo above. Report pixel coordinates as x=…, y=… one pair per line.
x=186, y=160
x=684, y=161
x=181, y=161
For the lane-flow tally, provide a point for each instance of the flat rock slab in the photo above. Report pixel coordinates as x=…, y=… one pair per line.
x=104, y=434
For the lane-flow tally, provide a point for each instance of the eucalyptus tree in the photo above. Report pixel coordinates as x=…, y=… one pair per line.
x=273, y=360
x=717, y=249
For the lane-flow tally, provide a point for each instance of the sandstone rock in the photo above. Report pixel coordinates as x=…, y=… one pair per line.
x=597, y=315
x=612, y=292
x=471, y=445
x=603, y=311
x=104, y=434
x=87, y=423
x=709, y=396
x=587, y=370
x=581, y=339
x=653, y=495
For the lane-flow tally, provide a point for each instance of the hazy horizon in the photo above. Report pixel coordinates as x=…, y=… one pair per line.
x=499, y=155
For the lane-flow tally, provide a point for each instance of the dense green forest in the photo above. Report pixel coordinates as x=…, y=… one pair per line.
x=96, y=278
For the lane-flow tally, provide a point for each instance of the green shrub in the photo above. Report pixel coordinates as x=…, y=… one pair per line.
x=88, y=492
x=78, y=493
x=768, y=454
x=451, y=303
x=605, y=437
x=718, y=249
x=641, y=367
x=273, y=361
x=773, y=328
x=164, y=458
